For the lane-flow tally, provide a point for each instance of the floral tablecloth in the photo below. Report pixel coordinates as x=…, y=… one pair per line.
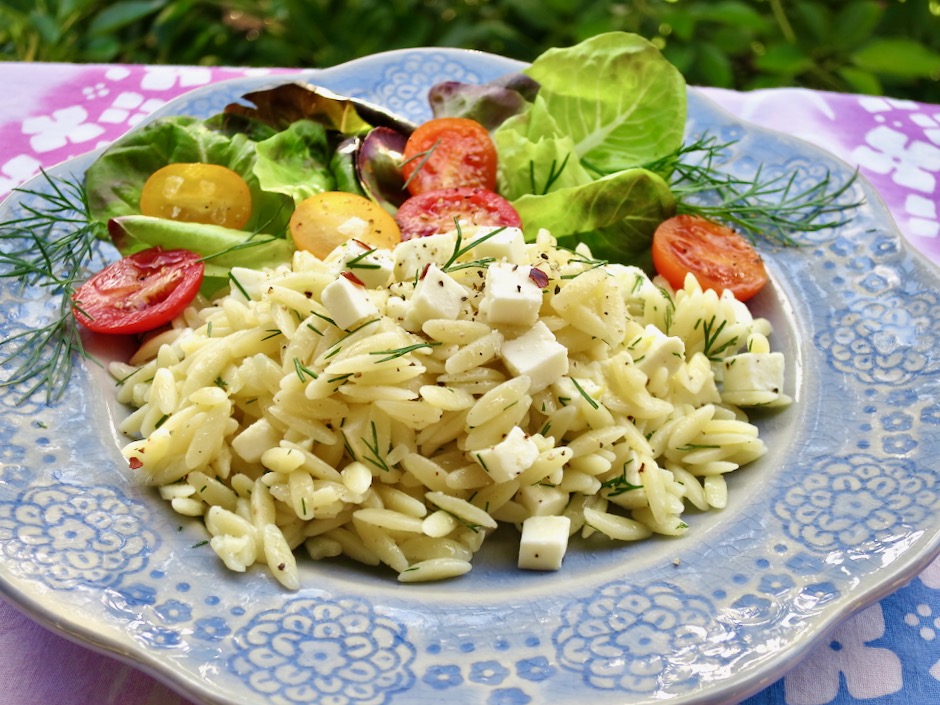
x=889, y=654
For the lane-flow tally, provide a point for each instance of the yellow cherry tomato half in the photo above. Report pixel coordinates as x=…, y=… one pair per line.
x=326, y=220
x=197, y=193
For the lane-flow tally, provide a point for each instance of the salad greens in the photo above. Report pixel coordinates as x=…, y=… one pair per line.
x=571, y=162
x=572, y=133
x=221, y=248
x=589, y=141
x=115, y=180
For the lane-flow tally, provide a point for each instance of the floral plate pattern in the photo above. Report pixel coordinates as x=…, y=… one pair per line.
x=839, y=513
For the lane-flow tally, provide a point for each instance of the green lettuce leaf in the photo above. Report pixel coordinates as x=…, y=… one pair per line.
x=616, y=96
x=115, y=180
x=534, y=140
x=615, y=216
x=222, y=247
x=573, y=161
x=296, y=161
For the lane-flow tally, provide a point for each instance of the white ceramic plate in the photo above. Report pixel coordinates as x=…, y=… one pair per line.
x=840, y=512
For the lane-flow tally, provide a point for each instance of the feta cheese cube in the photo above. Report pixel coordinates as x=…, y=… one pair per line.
x=510, y=295
x=252, y=282
x=507, y=244
x=544, y=542
x=347, y=302
x=437, y=295
x=354, y=227
x=508, y=458
x=754, y=379
x=655, y=351
x=372, y=266
x=412, y=256
x=537, y=355
x=542, y=500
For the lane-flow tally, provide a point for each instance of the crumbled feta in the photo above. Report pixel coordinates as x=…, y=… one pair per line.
x=347, y=302
x=537, y=355
x=655, y=351
x=354, y=227
x=507, y=244
x=754, y=379
x=371, y=265
x=511, y=456
x=510, y=295
x=544, y=542
x=543, y=499
x=252, y=282
x=436, y=295
x=412, y=256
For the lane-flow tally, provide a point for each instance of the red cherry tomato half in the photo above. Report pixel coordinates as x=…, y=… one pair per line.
x=719, y=257
x=140, y=292
x=449, y=152
x=437, y=211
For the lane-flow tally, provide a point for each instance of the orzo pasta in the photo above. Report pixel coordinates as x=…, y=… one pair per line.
x=394, y=407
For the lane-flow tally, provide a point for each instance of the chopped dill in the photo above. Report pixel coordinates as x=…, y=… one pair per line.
x=374, y=456
x=400, y=352
x=303, y=372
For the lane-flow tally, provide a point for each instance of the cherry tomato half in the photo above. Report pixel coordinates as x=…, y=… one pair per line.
x=140, y=292
x=197, y=193
x=449, y=152
x=437, y=211
x=719, y=257
x=326, y=220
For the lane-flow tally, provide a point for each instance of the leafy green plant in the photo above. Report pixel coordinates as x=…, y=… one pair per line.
x=887, y=47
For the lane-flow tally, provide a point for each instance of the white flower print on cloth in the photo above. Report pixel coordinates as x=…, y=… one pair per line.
x=16, y=171
x=913, y=162
x=130, y=108
x=164, y=78
x=869, y=672
x=65, y=126
x=904, y=145
x=930, y=577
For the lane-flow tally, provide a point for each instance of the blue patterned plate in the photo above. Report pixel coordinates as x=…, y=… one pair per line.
x=839, y=513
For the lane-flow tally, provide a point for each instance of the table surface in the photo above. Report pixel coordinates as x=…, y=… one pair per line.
x=888, y=654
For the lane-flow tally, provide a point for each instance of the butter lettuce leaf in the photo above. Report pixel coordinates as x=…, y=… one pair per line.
x=296, y=161
x=114, y=181
x=616, y=96
x=222, y=247
x=615, y=215
x=533, y=139
x=573, y=161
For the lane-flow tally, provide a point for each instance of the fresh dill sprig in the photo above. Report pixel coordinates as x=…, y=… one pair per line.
x=50, y=247
x=619, y=484
x=400, y=352
x=711, y=334
x=587, y=397
x=302, y=371
x=253, y=240
x=423, y=156
x=375, y=455
x=772, y=207
x=358, y=263
x=460, y=250
x=554, y=173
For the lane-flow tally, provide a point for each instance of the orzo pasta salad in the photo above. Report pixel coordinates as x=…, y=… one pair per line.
x=395, y=406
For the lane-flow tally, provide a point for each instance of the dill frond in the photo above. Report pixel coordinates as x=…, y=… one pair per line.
x=49, y=247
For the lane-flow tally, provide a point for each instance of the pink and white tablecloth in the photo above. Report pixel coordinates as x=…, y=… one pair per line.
x=889, y=654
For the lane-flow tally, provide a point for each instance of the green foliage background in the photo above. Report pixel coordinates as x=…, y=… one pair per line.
x=880, y=47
